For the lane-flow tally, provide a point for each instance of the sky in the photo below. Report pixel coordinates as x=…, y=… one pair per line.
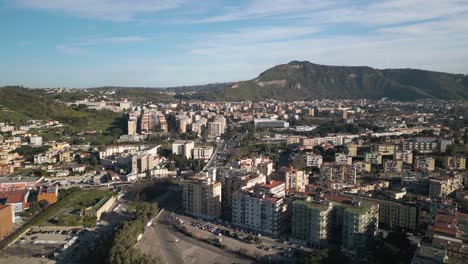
x=162, y=43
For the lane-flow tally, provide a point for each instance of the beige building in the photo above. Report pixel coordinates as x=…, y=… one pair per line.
x=393, y=166
x=374, y=158
x=406, y=156
x=352, y=150
x=385, y=149
x=455, y=163
x=295, y=180
x=202, y=197
x=423, y=163
x=440, y=187
x=338, y=173
x=202, y=152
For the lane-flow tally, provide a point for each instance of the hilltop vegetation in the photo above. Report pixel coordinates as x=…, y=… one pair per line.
x=305, y=80
x=18, y=105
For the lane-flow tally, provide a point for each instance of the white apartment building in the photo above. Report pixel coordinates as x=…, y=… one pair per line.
x=202, y=152
x=258, y=212
x=314, y=160
x=183, y=147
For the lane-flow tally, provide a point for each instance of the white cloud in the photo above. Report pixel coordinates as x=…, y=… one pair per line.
x=268, y=8
x=111, y=40
x=434, y=45
x=70, y=50
x=79, y=46
x=257, y=35
x=395, y=12
x=114, y=10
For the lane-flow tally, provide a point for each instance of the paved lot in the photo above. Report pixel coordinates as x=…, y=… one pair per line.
x=24, y=260
x=268, y=246
x=163, y=241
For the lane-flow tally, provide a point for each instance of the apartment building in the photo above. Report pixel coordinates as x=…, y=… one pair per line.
x=202, y=197
x=423, y=163
x=352, y=150
x=215, y=129
x=440, y=187
x=374, y=158
x=35, y=140
x=132, y=125
x=314, y=221
x=455, y=163
x=385, y=149
x=183, y=147
x=311, y=222
x=258, y=212
x=182, y=123
x=295, y=180
x=394, y=213
x=341, y=158
x=338, y=173
x=360, y=221
x=272, y=188
x=261, y=165
x=423, y=145
x=202, y=152
x=314, y=160
x=406, y=156
x=393, y=166
x=235, y=182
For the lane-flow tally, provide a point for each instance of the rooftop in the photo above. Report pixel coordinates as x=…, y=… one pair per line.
x=19, y=179
x=16, y=196
x=271, y=185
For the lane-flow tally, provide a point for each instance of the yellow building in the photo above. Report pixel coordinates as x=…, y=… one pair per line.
x=374, y=158
x=393, y=166
x=455, y=163
x=424, y=163
x=353, y=150
x=385, y=149
x=440, y=187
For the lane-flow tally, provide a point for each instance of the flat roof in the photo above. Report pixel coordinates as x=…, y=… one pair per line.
x=18, y=179
x=271, y=185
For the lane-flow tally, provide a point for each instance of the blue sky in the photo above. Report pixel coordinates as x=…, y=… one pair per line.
x=160, y=43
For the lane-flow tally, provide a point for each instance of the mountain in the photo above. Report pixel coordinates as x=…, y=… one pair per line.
x=305, y=80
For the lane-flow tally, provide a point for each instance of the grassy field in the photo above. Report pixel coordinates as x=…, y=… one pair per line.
x=72, y=198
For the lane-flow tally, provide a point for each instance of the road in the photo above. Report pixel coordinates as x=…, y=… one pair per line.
x=213, y=157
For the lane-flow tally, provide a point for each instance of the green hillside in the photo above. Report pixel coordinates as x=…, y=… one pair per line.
x=21, y=104
x=305, y=80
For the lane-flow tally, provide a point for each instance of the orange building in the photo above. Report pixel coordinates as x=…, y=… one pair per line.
x=6, y=220
x=48, y=194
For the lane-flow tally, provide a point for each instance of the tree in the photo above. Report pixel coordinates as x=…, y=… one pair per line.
x=395, y=248
x=204, y=133
x=315, y=257
x=44, y=204
x=299, y=163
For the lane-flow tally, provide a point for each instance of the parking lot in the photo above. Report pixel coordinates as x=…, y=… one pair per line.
x=235, y=239
x=44, y=243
